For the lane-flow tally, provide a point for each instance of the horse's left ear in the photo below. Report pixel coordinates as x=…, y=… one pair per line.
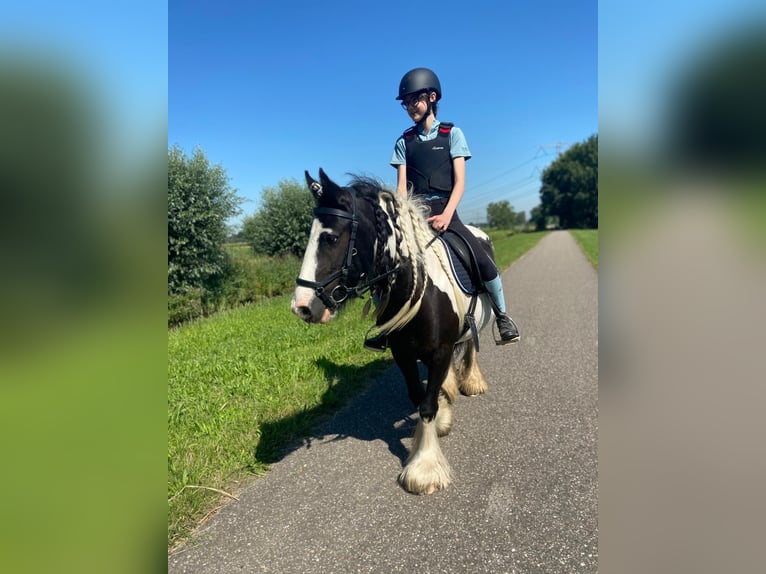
x=332, y=192
x=314, y=186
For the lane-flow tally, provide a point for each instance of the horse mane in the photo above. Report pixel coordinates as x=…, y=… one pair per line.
x=413, y=236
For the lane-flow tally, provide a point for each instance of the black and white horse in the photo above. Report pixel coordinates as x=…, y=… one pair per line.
x=366, y=238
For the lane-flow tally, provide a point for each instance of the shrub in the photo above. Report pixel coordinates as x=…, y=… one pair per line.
x=199, y=203
x=281, y=226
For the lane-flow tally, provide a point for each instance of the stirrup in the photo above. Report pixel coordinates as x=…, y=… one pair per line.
x=499, y=340
x=377, y=343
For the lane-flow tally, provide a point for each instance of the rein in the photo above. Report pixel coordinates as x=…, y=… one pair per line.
x=342, y=290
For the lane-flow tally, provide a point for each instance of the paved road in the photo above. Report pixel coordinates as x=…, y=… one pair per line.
x=524, y=458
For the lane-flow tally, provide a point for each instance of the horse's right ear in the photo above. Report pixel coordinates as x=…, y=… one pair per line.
x=314, y=186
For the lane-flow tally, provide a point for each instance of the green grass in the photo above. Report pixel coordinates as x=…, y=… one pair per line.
x=749, y=210
x=242, y=386
x=588, y=240
x=508, y=248
x=246, y=383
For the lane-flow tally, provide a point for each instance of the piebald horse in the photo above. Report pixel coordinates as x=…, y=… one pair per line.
x=367, y=238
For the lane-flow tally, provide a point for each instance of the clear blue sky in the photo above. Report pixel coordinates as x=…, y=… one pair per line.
x=268, y=90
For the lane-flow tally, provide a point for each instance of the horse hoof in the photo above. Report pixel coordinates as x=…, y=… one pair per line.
x=412, y=482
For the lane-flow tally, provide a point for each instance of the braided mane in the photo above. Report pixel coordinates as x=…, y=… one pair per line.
x=402, y=238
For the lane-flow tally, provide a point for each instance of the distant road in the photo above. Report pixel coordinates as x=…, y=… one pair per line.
x=524, y=458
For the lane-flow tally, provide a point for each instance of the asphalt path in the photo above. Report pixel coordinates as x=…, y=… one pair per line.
x=523, y=456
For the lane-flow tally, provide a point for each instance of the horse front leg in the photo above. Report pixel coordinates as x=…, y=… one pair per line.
x=427, y=469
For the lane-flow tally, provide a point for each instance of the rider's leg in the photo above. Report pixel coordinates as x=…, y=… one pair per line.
x=509, y=333
x=495, y=289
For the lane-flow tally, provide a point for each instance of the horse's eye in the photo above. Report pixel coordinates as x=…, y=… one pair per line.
x=330, y=239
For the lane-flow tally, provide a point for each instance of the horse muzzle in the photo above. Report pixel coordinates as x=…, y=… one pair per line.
x=310, y=309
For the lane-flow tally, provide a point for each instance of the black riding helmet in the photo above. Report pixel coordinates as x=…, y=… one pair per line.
x=418, y=80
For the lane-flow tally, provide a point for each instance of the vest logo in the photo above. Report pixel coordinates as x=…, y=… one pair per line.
x=438, y=147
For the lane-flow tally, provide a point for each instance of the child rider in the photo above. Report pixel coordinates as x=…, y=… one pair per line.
x=431, y=156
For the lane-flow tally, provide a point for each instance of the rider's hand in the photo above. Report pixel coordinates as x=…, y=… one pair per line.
x=439, y=222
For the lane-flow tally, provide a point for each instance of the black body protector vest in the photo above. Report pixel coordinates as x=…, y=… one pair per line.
x=429, y=163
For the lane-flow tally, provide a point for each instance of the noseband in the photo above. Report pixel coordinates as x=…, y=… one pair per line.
x=342, y=290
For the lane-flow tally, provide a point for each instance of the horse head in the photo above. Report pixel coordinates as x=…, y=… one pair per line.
x=337, y=255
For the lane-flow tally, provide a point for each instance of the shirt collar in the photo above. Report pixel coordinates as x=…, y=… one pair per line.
x=434, y=127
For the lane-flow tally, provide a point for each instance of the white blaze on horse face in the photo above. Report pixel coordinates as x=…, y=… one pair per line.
x=305, y=296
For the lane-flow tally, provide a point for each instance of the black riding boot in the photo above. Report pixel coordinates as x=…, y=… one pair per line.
x=378, y=343
x=509, y=333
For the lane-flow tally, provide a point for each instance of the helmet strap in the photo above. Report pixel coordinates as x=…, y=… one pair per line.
x=429, y=110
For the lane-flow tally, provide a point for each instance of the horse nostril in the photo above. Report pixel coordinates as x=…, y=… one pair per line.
x=303, y=312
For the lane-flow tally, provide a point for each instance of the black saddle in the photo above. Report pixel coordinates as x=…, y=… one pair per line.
x=466, y=271
x=462, y=260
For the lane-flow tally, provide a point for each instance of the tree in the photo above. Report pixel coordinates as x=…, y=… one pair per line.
x=283, y=222
x=200, y=201
x=716, y=115
x=569, y=188
x=537, y=217
x=500, y=215
x=521, y=219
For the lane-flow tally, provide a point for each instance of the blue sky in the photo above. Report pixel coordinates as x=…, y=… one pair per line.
x=268, y=90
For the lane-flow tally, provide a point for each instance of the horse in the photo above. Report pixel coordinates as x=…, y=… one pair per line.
x=366, y=238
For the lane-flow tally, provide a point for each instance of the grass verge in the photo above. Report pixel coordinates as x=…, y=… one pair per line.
x=244, y=384
x=508, y=248
x=588, y=240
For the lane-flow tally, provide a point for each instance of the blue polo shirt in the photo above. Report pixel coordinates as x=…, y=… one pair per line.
x=458, y=147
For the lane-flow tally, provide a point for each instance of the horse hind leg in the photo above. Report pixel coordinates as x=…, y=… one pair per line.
x=448, y=395
x=470, y=379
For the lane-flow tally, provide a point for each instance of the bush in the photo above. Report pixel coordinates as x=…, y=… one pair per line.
x=245, y=278
x=184, y=306
x=281, y=226
x=199, y=203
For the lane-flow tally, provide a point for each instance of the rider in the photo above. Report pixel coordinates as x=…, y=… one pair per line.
x=437, y=172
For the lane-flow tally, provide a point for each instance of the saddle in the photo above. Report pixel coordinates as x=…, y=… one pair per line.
x=462, y=262
x=465, y=269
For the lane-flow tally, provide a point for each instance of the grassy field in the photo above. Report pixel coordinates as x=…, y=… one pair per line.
x=588, y=240
x=246, y=383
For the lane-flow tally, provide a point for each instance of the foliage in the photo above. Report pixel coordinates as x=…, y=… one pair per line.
x=716, y=114
x=500, y=215
x=570, y=186
x=200, y=201
x=281, y=226
x=537, y=217
x=247, y=278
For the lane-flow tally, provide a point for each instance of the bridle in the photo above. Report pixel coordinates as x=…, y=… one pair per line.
x=342, y=290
